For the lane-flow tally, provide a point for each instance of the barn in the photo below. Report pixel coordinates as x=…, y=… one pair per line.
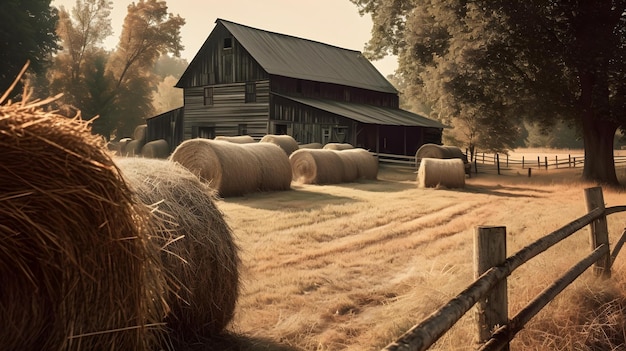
x=249, y=81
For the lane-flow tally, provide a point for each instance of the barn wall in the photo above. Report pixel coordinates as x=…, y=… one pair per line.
x=228, y=112
x=167, y=126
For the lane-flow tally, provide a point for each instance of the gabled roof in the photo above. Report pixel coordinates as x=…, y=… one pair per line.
x=294, y=57
x=367, y=113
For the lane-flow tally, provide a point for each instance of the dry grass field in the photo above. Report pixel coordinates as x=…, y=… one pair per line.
x=353, y=266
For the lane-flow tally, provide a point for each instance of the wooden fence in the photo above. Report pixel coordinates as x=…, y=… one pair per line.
x=491, y=269
x=498, y=163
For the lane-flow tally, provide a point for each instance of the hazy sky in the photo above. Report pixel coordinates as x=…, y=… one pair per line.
x=335, y=22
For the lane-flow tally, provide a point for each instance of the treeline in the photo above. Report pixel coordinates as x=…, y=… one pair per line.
x=118, y=87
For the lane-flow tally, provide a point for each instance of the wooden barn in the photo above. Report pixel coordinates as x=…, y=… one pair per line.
x=248, y=81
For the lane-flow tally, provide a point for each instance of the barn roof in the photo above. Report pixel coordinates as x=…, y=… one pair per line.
x=294, y=57
x=367, y=113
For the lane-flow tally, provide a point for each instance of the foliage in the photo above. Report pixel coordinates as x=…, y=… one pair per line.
x=117, y=86
x=26, y=34
x=492, y=63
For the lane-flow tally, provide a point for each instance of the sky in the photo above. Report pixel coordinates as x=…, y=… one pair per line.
x=334, y=22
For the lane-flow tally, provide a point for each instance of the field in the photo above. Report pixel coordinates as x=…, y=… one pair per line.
x=353, y=266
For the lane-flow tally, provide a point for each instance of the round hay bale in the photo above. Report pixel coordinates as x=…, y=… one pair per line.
x=133, y=148
x=228, y=167
x=274, y=166
x=350, y=168
x=311, y=146
x=78, y=270
x=286, y=142
x=156, y=149
x=122, y=146
x=366, y=163
x=140, y=133
x=455, y=152
x=434, y=172
x=312, y=166
x=431, y=151
x=338, y=146
x=202, y=256
x=240, y=139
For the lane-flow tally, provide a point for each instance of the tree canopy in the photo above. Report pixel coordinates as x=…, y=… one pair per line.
x=493, y=63
x=27, y=34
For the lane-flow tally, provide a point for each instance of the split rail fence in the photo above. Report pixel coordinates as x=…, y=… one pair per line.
x=489, y=290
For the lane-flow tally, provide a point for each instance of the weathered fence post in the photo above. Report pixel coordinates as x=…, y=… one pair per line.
x=569, y=161
x=556, y=161
x=539, y=162
x=599, y=230
x=546, y=160
x=490, y=251
x=522, y=162
x=498, y=162
x=529, y=171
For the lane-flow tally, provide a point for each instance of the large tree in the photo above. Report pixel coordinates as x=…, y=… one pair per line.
x=498, y=61
x=27, y=34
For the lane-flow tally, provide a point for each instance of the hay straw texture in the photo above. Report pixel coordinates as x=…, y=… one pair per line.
x=274, y=166
x=311, y=146
x=366, y=163
x=78, y=270
x=434, y=172
x=338, y=146
x=205, y=302
x=316, y=166
x=156, y=149
x=439, y=151
x=286, y=142
x=140, y=133
x=133, y=148
x=241, y=139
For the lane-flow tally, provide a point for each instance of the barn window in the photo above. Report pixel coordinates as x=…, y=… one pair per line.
x=243, y=129
x=250, y=92
x=208, y=96
x=228, y=43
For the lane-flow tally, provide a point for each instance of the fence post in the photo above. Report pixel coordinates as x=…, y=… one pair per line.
x=498, y=162
x=546, y=159
x=522, y=162
x=599, y=231
x=569, y=161
x=556, y=161
x=539, y=162
x=490, y=251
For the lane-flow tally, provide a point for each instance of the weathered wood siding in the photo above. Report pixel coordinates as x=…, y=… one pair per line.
x=216, y=64
x=320, y=90
x=229, y=110
x=167, y=126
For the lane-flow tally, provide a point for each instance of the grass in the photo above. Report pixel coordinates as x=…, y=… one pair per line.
x=353, y=266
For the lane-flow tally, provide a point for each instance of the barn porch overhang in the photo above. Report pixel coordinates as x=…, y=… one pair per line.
x=368, y=114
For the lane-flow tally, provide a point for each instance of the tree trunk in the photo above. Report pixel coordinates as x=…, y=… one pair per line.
x=599, y=157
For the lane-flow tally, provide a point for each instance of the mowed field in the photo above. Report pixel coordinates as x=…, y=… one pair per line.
x=352, y=266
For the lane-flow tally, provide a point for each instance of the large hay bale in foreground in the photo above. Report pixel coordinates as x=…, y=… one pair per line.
x=77, y=268
x=229, y=168
x=240, y=139
x=156, y=149
x=313, y=166
x=205, y=302
x=275, y=169
x=434, y=172
x=286, y=142
x=338, y=146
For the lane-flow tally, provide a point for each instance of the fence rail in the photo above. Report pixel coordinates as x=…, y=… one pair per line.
x=489, y=280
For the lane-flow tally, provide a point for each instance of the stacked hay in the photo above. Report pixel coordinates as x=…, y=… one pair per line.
x=338, y=146
x=201, y=256
x=274, y=165
x=441, y=152
x=434, y=172
x=156, y=149
x=78, y=270
x=286, y=142
x=241, y=139
x=134, y=146
x=316, y=166
x=229, y=168
x=311, y=146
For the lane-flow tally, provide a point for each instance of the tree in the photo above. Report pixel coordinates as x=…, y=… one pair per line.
x=27, y=34
x=500, y=61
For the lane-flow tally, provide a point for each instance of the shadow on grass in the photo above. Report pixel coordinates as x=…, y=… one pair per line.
x=296, y=199
x=234, y=342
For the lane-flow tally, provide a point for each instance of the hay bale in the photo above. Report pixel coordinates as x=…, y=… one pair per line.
x=455, y=152
x=338, y=146
x=431, y=151
x=366, y=163
x=434, y=172
x=286, y=142
x=133, y=148
x=312, y=166
x=156, y=149
x=274, y=166
x=140, y=133
x=350, y=168
x=311, y=146
x=78, y=270
x=240, y=139
x=229, y=168
x=208, y=277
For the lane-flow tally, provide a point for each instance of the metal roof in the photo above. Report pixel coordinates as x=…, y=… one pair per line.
x=294, y=57
x=368, y=114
